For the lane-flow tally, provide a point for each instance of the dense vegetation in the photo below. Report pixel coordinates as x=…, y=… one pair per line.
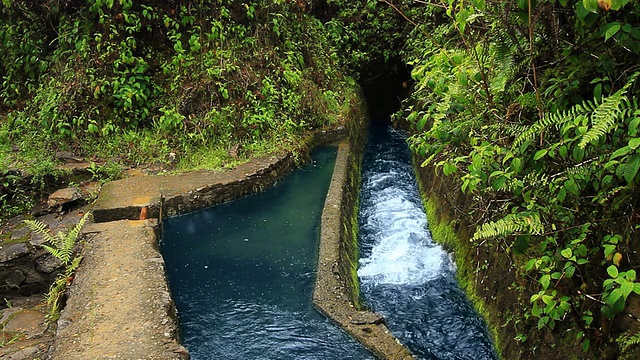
x=185, y=84
x=531, y=107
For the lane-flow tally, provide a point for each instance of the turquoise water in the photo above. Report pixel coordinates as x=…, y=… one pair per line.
x=242, y=274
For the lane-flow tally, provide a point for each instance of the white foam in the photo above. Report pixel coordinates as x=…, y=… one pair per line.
x=403, y=252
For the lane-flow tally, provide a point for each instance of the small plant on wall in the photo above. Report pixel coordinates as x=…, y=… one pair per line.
x=61, y=246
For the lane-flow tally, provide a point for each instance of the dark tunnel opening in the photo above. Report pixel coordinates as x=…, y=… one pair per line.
x=385, y=85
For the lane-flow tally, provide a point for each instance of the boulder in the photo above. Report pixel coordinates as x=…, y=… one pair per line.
x=64, y=196
x=15, y=279
x=13, y=251
x=48, y=263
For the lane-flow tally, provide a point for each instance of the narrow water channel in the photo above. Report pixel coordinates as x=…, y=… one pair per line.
x=242, y=274
x=404, y=275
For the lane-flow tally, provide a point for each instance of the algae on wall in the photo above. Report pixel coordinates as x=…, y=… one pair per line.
x=357, y=135
x=453, y=234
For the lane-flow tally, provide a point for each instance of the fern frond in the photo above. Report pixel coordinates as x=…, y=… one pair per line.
x=40, y=228
x=604, y=117
x=510, y=225
x=557, y=120
x=62, y=244
x=73, y=266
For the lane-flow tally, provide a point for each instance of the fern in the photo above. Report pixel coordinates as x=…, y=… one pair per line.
x=605, y=116
x=61, y=244
x=522, y=223
x=557, y=120
x=626, y=343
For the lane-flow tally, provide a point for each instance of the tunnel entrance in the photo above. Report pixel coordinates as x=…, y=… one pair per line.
x=385, y=85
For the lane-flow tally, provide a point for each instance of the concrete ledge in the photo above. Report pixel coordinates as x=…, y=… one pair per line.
x=333, y=294
x=119, y=305
x=182, y=193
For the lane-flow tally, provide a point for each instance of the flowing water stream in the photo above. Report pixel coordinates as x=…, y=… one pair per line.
x=242, y=274
x=404, y=275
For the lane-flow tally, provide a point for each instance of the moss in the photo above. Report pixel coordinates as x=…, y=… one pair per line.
x=355, y=281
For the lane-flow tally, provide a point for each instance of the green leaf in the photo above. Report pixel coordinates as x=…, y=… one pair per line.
x=626, y=288
x=567, y=253
x=572, y=187
x=498, y=183
x=516, y=165
x=547, y=299
x=530, y=264
x=570, y=271
x=590, y=5
x=462, y=78
x=578, y=153
x=545, y=280
x=542, y=322
x=612, y=271
x=634, y=143
x=633, y=126
x=597, y=92
x=621, y=152
x=449, y=168
x=479, y=4
x=609, y=250
x=586, y=16
x=523, y=5
x=562, y=194
x=540, y=153
x=610, y=30
x=631, y=275
x=422, y=122
x=618, y=4
x=631, y=168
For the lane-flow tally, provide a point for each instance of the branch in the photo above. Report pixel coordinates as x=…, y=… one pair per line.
x=604, y=303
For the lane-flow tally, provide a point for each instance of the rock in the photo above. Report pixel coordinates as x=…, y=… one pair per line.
x=47, y=263
x=28, y=322
x=182, y=351
x=367, y=318
x=40, y=209
x=64, y=196
x=20, y=233
x=25, y=354
x=6, y=313
x=67, y=156
x=15, y=279
x=13, y=251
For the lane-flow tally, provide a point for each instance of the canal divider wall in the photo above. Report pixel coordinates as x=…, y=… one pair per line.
x=336, y=292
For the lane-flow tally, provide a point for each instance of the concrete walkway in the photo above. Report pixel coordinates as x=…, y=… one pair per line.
x=119, y=306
